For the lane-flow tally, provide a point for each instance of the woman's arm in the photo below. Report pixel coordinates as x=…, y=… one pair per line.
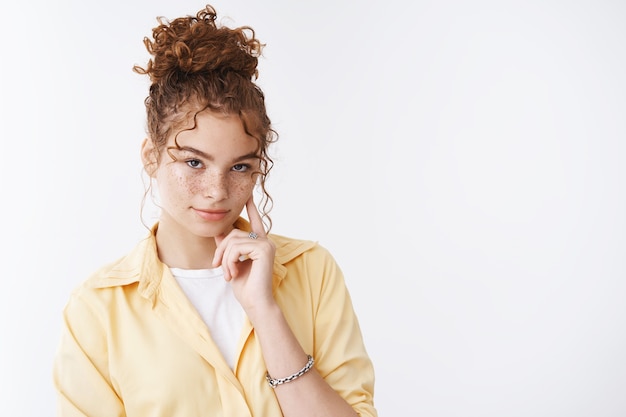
x=80, y=367
x=307, y=396
x=310, y=394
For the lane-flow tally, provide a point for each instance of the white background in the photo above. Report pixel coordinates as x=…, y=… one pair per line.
x=463, y=161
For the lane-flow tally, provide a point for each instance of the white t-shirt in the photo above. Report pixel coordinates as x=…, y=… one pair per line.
x=214, y=299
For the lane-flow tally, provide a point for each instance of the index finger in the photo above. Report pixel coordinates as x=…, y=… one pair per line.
x=256, y=223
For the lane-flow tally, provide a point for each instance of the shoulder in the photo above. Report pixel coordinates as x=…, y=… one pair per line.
x=289, y=249
x=306, y=261
x=96, y=288
x=117, y=273
x=137, y=266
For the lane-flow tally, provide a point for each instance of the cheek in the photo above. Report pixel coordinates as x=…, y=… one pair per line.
x=242, y=187
x=175, y=183
x=193, y=184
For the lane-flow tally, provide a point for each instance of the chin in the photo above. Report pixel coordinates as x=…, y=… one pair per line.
x=212, y=230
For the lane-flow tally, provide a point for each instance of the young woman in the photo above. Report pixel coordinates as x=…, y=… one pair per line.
x=211, y=315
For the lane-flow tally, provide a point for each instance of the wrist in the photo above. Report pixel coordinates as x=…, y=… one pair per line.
x=274, y=382
x=262, y=311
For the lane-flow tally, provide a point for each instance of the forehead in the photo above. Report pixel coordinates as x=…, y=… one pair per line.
x=212, y=130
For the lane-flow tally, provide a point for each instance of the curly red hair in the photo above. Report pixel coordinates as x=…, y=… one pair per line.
x=197, y=65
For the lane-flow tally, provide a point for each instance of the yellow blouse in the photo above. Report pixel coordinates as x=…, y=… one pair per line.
x=133, y=345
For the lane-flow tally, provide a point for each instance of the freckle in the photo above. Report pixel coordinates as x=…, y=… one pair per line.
x=192, y=185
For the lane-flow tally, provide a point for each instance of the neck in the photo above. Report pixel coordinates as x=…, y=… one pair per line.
x=182, y=249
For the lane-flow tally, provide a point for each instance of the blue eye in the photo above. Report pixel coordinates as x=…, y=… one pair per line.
x=241, y=167
x=194, y=163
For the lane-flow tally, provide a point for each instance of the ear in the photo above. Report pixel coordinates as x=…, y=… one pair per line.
x=149, y=157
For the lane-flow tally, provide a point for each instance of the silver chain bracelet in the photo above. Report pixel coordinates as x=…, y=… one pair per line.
x=276, y=382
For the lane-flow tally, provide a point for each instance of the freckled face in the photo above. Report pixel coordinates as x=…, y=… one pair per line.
x=205, y=189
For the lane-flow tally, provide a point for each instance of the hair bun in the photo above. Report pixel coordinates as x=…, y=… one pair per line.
x=196, y=45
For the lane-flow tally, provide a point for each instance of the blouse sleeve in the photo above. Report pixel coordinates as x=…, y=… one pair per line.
x=81, y=375
x=340, y=354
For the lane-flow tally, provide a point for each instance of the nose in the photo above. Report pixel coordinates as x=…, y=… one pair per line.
x=215, y=185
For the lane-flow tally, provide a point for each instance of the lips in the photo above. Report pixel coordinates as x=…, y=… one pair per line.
x=211, y=215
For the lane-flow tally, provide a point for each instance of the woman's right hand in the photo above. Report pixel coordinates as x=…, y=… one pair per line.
x=251, y=278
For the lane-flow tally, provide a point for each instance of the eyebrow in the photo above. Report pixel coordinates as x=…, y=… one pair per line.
x=251, y=155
